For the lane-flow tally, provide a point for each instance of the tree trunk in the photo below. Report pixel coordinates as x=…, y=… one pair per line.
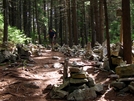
x=69, y=23
x=60, y=28
x=20, y=13
x=29, y=19
x=51, y=13
x=93, y=32
x=101, y=20
x=127, y=42
x=5, y=7
x=45, y=28
x=34, y=38
x=25, y=16
x=107, y=32
x=74, y=22
x=37, y=22
x=96, y=20
x=84, y=24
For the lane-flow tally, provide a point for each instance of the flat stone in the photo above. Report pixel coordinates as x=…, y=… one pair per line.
x=117, y=60
x=126, y=79
x=61, y=93
x=114, y=76
x=118, y=85
x=81, y=75
x=77, y=81
x=125, y=71
x=65, y=84
x=57, y=94
x=74, y=69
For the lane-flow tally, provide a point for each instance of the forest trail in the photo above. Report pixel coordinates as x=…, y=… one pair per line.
x=28, y=83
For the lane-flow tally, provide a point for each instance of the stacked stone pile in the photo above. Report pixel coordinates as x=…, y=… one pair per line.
x=78, y=86
x=125, y=82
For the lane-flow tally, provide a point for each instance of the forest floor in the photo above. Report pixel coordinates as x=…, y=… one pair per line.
x=28, y=83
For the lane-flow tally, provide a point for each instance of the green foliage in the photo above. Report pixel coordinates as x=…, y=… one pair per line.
x=1, y=28
x=114, y=31
x=14, y=34
x=132, y=18
x=87, y=3
x=115, y=22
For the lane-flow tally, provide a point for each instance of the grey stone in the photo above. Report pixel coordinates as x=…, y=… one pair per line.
x=60, y=94
x=91, y=82
x=132, y=83
x=56, y=93
x=118, y=85
x=65, y=84
x=82, y=94
x=131, y=88
x=57, y=65
x=114, y=76
x=46, y=66
x=76, y=81
x=56, y=57
x=106, y=64
x=126, y=79
x=98, y=87
x=33, y=85
x=124, y=90
x=2, y=58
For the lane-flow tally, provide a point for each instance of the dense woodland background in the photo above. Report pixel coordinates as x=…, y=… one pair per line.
x=76, y=21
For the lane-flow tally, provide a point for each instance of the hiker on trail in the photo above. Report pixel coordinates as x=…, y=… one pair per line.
x=52, y=37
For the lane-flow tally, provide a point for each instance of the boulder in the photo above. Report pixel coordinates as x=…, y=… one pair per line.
x=118, y=85
x=98, y=87
x=82, y=94
x=125, y=70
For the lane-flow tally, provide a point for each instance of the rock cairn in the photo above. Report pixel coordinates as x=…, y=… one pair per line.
x=77, y=85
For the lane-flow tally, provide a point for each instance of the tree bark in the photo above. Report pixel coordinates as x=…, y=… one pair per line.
x=74, y=22
x=69, y=23
x=101, y=20
x=127, y=42
x=93, y=32
x=107, y=32
x=5, y=36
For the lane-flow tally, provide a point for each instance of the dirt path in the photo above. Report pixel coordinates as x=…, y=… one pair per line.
x=27, y=83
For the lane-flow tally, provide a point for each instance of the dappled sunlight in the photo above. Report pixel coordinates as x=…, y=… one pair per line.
x=85, y=68
x=41, y=58
x=93, y=75
x=105, y=81
x=22, y=83
x=74, y=59
x=103, y=96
